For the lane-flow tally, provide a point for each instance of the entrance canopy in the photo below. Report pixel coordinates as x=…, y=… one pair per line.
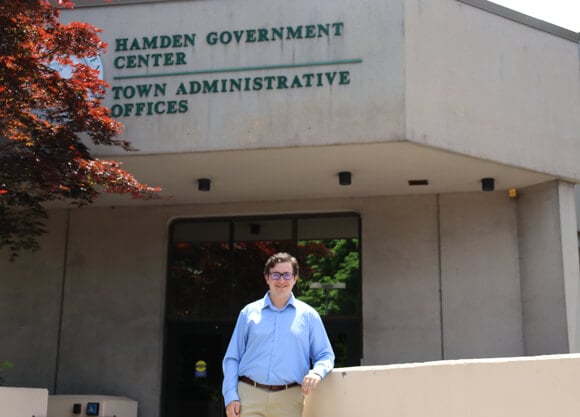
x=312, y=172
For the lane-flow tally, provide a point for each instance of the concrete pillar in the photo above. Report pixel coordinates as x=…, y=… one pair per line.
x=549, y=268
x=481, y=309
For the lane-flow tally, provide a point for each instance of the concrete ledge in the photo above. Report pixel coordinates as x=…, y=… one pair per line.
x=512, y=387
x=23, y=402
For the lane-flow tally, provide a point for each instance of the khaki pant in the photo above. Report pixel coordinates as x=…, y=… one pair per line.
x=256, y=402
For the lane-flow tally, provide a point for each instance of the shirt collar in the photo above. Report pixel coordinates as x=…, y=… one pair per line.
x=268, y=302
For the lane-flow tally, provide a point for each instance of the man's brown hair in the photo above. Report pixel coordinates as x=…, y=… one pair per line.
x=281, y=257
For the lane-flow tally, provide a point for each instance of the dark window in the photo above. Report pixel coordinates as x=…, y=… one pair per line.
x=215, y=267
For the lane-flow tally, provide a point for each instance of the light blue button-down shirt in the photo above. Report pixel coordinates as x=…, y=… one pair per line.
x=274, y=347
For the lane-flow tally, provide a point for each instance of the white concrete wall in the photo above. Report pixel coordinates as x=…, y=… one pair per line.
x=401, y=309
x=516, y=387
x=439, y=72
x=482, y=311
x=30, y=294
x=23, y=402
x=369, y=108
x=111, y=340
x=114, y=305
x=549, y=268
x=482, y=85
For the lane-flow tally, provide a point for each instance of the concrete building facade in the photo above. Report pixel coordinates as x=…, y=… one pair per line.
x=418, y=100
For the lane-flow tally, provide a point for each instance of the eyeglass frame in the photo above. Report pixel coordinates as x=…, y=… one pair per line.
x=290, y=275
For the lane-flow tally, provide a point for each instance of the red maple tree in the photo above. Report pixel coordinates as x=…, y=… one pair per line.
x=47, y=120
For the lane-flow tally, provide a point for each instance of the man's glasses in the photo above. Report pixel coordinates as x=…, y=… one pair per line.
x=286, y=275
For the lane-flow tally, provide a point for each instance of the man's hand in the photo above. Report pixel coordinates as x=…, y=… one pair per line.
x=233, y=409
x=310, y=382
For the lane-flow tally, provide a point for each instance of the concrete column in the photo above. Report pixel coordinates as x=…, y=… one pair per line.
x=401, y=309
x=481, y=309
x=30, y=301
x=549, y=268
x=571, y=264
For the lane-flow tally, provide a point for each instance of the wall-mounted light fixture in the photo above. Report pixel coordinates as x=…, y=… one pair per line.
x=487, y=184
x=413, y=183
x=344, y=178
x=203, y=184
x=255, y=228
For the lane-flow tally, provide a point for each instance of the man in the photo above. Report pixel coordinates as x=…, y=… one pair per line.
x=267, y=363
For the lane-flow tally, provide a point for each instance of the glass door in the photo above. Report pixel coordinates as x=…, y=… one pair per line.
x=216, y=267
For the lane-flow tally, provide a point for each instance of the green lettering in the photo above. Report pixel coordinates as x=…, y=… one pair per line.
x=308, y=78
x=310, y=31
x=323, y=29
x=117, y=92
x=139, y=109
x=330, y=76
x=142, y=61
x=150, y=43
x=165, y=41
x=132, y=61
x=157, y=107
x=160, y=89
x=338, y=28
x=269, y=81
x=210, y=87
x=277, y=33
x=135, y=45
x=168, y=58
x=189, y=40
x=263, y=35
x=251, y=35
x=238, y=35
x=296, y=82
x=257, y=84
x=128, y=109
x=181, y=90
x=294, y=33
x=235, y=85
x=344, y=77
x=194, y=87
x=144, y=90
x=180, y=58
x=121, y=44
x=116, y=110
x=177, y=41
x=156, y=58
x=282, y=82
x=226, y=37
x=211, y=38
x=119, y=62
x=247, y=81
x=171, y=107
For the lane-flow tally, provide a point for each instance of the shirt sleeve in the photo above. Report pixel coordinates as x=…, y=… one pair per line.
x=231, y=362
x=320, y=348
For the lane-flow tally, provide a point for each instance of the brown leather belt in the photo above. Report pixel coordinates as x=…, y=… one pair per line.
x=267, y=387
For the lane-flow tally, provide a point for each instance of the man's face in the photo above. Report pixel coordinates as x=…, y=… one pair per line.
x=281, y=287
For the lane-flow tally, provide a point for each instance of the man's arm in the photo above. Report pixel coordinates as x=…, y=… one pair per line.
x=230, y=364
x=320, y=348
x=321, y=353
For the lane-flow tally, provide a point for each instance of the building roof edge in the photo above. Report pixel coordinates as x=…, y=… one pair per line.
x=524, y=19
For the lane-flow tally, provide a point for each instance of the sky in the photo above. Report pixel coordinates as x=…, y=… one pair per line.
x=565, y=13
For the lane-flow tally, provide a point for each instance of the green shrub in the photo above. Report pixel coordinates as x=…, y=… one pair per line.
x=4, y=365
